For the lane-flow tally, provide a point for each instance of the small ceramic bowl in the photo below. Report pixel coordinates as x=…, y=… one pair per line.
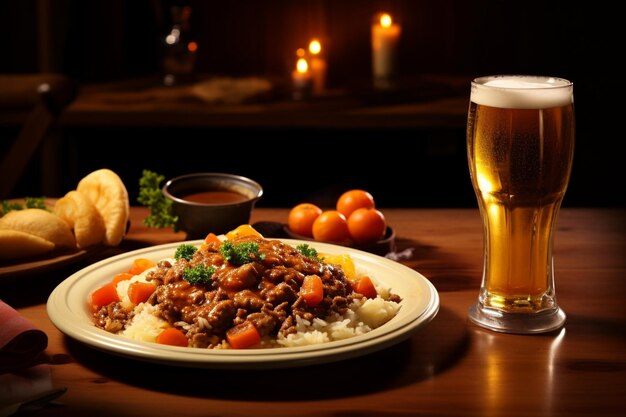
x=211, y=202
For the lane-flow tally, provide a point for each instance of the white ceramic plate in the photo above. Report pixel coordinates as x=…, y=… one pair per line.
x=68, y=309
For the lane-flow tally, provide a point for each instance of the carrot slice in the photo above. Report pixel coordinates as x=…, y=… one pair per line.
x=243, y=335
x=173, y=337
x=212, y=238
x=312, y=290
x=366, y=287
x=139, y=265
x=139, y=292
x=122, y=277
x=104, y=296
x=243, y=230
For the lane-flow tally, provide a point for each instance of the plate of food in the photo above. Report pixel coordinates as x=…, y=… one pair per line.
x=243, y=302
x=38, y=234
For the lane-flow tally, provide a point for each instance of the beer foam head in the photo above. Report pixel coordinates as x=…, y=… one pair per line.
x=522, y=92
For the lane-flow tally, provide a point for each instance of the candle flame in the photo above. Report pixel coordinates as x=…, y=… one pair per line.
x=302, y=66
x=385, y=20
x=171, y=39
x=315, y=47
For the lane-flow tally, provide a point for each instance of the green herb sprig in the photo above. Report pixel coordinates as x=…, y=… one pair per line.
x=29, y=202
x=8, y=206
x=241, y=253
x=199, y=274
x=308, y=251
x=185, y=251
x=151, y=195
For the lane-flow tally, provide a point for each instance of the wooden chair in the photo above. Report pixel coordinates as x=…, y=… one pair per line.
x=35, y=103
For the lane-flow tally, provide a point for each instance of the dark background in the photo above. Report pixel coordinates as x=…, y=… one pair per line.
x=103, y=41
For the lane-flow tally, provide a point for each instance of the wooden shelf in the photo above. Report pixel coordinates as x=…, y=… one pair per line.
x=423, y=102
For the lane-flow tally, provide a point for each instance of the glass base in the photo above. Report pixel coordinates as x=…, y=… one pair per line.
x=521, y=323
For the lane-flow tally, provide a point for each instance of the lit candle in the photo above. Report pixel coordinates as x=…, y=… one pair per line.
x=301, y=78
x=318, y=66
x=385, y=36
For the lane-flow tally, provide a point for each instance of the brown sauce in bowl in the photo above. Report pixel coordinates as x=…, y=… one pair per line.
x=215, y=197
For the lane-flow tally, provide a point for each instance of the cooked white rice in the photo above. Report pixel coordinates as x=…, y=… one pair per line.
x=362, y=316
x=145, y=325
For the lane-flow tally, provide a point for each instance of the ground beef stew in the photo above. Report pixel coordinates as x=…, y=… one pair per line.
x=264, y=290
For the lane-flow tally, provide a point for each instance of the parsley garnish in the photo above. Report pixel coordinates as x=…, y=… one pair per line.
x=308, y=251
x=35, y=202
x=241, y=253
x=7, y=206
x=150, y=195
x=199, y=274
x=29, y=202
x=185, y=251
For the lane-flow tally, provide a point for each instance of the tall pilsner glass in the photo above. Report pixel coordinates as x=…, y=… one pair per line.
x=520, y=146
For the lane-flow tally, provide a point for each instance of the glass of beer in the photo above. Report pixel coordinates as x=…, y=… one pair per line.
x=520, y=147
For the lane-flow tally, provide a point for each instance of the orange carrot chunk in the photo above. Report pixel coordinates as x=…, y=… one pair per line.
x=312, y=290
x=243, y=335
x=365, y=286
x=122, y=277
x=139, y=265
x=104, y=296
x=212, y=238
x=173, y=337
x=139, y=292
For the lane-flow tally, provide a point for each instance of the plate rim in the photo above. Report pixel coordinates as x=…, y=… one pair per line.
x=59, y=305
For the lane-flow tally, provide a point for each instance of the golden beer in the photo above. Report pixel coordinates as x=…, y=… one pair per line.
x=520, y=146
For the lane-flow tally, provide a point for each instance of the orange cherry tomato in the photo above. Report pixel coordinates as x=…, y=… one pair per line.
x=351, y=200
x=367, y=225
x=331, y=226
x=301, y=218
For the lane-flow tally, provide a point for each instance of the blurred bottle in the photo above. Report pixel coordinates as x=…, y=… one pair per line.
x=179, y=48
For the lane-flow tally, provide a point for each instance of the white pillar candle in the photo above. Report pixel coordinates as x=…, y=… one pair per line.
x=385, y=36
x=301, y=79
x=318, y=66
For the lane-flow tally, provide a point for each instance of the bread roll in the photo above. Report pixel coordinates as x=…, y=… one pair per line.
x=15, y=244
x=83, y=218
x=42, y=223
x=105, y=189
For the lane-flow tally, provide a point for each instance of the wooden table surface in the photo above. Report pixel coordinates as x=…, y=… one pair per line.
x=449, y=368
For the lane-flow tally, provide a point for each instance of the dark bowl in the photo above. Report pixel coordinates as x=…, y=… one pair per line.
x=198, y=219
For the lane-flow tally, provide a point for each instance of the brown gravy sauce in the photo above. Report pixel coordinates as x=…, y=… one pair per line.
x=215, y=197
